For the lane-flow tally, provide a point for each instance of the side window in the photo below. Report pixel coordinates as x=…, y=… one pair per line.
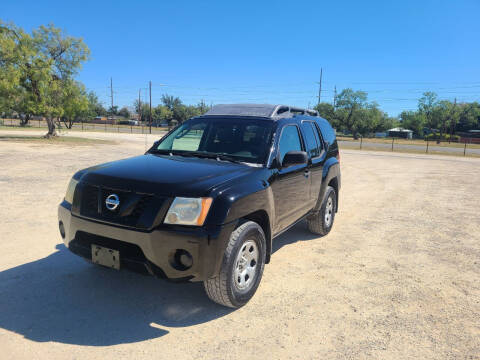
x=289, y=141
x=310, y=138
x=318, y=135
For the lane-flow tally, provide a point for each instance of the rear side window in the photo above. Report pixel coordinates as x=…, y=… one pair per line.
x=311, y=137
x=289, y=141
x=318, y=135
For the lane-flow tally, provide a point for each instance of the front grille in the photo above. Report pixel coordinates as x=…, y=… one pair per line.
x=135, y=210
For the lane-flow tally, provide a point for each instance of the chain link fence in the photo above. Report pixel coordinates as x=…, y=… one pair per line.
x=85, y=126
x=464, y=146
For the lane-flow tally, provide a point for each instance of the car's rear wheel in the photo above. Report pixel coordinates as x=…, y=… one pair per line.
x=321, y=222
x=242, y=267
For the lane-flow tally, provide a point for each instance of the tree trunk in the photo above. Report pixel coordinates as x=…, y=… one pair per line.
x=51, y=128
x=442, y=130
x=24, y=120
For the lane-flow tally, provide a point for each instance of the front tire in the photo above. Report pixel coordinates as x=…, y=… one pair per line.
x=321, y=222
x=242, y=267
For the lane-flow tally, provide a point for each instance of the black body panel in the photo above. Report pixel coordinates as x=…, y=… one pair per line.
x=274, y=196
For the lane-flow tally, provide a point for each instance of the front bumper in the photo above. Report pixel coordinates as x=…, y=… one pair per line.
x=151, y=252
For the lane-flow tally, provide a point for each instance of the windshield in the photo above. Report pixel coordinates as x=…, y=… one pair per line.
x=245, y=140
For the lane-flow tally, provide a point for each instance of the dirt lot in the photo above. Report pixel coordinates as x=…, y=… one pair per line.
x=397, y=278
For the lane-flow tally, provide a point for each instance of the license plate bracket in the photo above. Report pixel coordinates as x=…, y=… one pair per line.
x=106, y=257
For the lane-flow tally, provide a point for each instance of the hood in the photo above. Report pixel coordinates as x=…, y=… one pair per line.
x=165, y=175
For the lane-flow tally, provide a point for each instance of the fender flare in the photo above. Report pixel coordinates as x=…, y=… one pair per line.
x=331, y=170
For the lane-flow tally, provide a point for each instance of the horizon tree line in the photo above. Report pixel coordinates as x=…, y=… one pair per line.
x=37, y=78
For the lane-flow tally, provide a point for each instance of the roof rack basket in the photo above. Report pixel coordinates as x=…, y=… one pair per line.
x=261, y=110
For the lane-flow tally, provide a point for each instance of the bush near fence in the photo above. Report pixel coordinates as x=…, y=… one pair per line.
x=444, y=137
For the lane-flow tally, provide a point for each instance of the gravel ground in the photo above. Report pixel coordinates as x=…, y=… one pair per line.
x=397, y=278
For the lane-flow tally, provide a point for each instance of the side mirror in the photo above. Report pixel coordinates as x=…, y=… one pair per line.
x=294, y=158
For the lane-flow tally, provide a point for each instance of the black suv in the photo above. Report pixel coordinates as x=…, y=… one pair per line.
x=206, y=201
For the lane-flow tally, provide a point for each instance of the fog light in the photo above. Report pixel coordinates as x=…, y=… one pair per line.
x=186, y=259
x=62, y=229
x=181, y=260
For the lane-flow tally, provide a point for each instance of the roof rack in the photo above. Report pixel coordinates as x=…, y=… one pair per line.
x=259, y=110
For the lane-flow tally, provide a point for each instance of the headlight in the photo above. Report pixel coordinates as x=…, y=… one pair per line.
x=188, y=211
x=71, y=190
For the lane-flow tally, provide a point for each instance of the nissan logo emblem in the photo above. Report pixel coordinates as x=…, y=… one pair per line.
x=112, y=201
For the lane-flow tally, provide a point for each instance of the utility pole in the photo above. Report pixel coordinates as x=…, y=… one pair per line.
x=111, y=92
x=150, y=114
x=452, y=124
x=320, y=85
x=139, y=106
x=335, y=97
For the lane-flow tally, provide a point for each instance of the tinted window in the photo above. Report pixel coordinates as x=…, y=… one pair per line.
x=318, y=136
x=246, y=140
x=312, y=144
x=189, y=139
x=289, y=141
x=326, y=131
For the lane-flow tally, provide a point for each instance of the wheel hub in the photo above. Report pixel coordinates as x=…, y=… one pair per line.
x=246, y=262
x=329, y=211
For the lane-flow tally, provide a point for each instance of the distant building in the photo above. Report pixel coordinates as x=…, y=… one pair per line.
x=400, y=133
x=103, y=120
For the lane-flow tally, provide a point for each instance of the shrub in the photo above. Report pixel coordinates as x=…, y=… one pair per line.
x=444, y=137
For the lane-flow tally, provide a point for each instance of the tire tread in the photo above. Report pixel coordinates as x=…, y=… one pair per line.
x=316, y=223
x=216, y=287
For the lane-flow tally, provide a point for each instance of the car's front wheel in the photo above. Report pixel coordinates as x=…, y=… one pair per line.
x=242, y=267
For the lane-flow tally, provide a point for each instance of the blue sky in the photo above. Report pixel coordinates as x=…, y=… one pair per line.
x=270, y=51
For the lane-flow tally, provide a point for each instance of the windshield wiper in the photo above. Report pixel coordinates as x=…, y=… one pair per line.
x=230, y=158
x=201, y=154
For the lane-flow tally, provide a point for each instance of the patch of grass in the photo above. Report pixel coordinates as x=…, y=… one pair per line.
x=57, y=140
x=22, y=128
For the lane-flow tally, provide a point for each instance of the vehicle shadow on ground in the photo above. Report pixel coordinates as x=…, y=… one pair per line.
x=62, y=298
x=297, y=233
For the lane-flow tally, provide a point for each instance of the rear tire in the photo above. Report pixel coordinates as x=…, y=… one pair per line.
x=241, y=269
x=321, y=222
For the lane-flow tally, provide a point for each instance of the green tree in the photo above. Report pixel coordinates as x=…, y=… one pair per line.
x=113, y=110
x=426, y=106
x=468, y=116
x=171, y=102
x=42, y=64
x=123, y=112
x=74, y=102
x=349, y=106
x=202, y=107
x=413, y=120
x=95, y=107
x=161, y=113
x=326, y=111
